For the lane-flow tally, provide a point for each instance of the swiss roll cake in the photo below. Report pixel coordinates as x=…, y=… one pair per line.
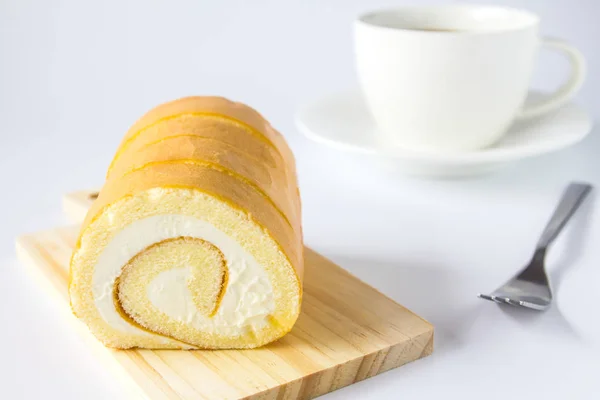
x=195, y=239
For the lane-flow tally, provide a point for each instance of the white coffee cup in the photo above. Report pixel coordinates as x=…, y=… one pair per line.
x=453, y=78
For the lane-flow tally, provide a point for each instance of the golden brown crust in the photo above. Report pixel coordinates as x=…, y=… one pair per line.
x=271, y=180
x=212, y=127
x=212, y=106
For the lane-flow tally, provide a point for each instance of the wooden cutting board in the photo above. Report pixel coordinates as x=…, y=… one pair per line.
x=347, y=332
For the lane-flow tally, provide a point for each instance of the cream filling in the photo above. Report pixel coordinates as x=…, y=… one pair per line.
x=246, y=303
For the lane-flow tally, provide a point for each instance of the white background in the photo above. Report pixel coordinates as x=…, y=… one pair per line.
x=74, y=75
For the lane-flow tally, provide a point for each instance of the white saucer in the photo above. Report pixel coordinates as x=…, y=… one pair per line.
x=343, y=122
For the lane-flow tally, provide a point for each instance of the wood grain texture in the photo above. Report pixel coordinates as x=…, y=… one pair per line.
x=347, y=332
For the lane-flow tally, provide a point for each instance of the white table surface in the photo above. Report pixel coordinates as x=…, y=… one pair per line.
x=74, y=75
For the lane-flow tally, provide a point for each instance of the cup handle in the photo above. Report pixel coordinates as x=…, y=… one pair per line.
x=568, y=89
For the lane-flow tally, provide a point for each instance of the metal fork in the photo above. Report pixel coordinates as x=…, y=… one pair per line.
x=530, y=288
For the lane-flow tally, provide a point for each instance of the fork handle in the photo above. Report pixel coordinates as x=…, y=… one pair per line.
x=571, y=199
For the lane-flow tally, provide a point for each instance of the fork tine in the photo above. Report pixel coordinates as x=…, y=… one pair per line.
x=505, y=300
x=489, y=297
x=485, y=297
x=498, y=299
x=514, y=302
